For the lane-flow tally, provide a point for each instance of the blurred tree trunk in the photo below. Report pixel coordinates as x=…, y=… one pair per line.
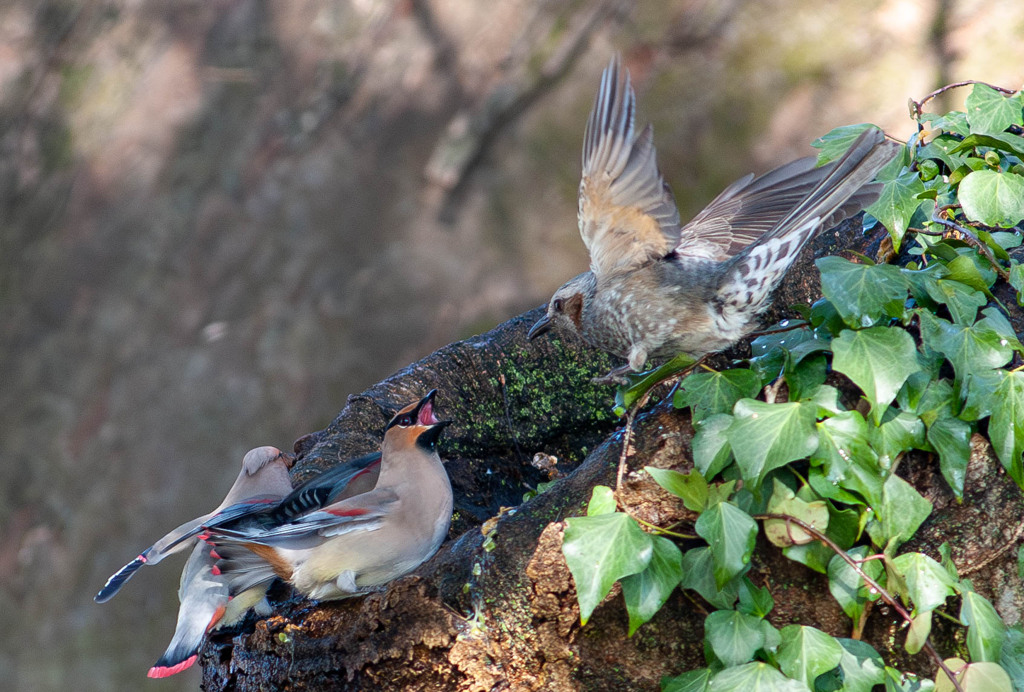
x=500, y=612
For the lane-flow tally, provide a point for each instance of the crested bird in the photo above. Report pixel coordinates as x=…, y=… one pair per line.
x=204, y=595
x=207, y=599
x=329, y=549
x=262, y=482
x=655, y=288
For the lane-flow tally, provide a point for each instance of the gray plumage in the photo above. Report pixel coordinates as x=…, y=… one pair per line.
x=655, y=288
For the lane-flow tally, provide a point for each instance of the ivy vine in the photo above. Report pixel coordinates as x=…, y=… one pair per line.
x=935, y=359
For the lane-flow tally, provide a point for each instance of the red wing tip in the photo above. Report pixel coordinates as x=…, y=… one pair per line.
x=215, y=571
x=168, y=671
x=347, y=512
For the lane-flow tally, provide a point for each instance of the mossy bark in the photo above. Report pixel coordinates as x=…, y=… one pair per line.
x=499, y=612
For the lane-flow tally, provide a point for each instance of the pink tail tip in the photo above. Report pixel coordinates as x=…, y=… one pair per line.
x=168, y=671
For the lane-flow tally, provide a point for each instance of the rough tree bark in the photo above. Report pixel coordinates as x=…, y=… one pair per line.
x=499, y=612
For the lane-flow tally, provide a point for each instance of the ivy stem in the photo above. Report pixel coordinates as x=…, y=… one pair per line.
x=885, y=595
x=937, y=217
x=919, y=105
x=658, y=529
x=627, y=436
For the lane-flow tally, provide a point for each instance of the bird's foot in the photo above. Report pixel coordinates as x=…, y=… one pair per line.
x=614, y=376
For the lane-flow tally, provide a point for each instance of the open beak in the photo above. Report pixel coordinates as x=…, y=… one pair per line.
x=539, y=327
x=425, y=413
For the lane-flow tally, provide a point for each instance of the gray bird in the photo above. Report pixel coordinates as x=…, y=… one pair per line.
x=656, y=289
x=352, y=543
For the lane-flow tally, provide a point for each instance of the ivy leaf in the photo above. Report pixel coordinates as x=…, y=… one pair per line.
x=785, y=501
x=600, y=550
x=647, y=591
x=986, y=632
x=708, y=393
x=766, y=436
x=754, y=600
x=1003, y=141
x=995, y=198
x=602, y=501
x=900, y=513
x=1012, y=656
x=754, y=677
x=848, y=587
x=928, y=582
x=897, y=204
x=899, y=434
x=640, y=383
x=805, y=377
x=843, y=529
x=734, y=637
x=961, y=300
x=878, y=360
x=807, y=652
x=849, y=460
x=1006, y=426
x=837, y=141
x=976, y=677
x=690, y=681
x=1017, y=280
x=862, y=293
x=690, y=487
x=951, y=438
x=971, y=270
x=730, y=533
x=698, y=575
x=917, y=633
x=969, y=348
x=990, y=112
x=980, y=399
x=711, y=451
x=862, y=666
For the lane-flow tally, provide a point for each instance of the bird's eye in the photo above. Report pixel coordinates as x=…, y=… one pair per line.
x=405, y=420
x=557, y=304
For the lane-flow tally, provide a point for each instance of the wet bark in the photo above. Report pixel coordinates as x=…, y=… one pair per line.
x=499, y=611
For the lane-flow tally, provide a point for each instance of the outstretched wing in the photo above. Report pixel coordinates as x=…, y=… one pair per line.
x=843, y=188
x=752, y=207
x=627, y=215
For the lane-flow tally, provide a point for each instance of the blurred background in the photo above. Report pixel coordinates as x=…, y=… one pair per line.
x=218, y=218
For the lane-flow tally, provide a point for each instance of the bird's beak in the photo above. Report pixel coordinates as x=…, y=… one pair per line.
x=428, y=438
x=539, y=327
x=425, y=409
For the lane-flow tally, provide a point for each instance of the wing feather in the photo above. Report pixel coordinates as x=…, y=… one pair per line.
x=627, y=215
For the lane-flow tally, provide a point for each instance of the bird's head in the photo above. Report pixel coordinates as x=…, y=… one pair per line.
x=565, y=310
x=416, y=424
x=256, y=459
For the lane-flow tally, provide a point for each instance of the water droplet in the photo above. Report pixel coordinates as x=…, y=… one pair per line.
x=782, y=341
x=865, y=321
x=784, y=323
x=1003, y=342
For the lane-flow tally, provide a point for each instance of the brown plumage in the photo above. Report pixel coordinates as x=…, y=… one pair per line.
x=655, y=288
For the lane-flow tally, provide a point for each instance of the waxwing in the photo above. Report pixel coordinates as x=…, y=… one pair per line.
x=205, y=599
x=345, y=547
x=208, y=599
x=655, y=288
x=261, y=484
